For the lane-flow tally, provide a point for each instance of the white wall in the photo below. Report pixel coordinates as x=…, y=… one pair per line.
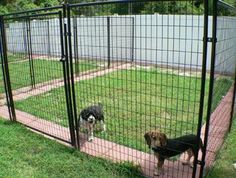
x=174, y=40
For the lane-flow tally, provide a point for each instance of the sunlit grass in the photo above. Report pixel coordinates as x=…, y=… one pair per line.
x=44, y=70
x=135, y=101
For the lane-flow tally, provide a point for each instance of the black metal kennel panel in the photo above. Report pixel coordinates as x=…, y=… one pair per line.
x=148, y=71
x=163, y=68
x=39, y=71
x=5, y=87
x=220, y=111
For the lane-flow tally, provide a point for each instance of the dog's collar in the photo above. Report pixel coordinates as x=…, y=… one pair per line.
x=157, y=149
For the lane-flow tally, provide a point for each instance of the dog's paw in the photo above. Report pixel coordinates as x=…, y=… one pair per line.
x=90, y=139
x=158, y=172
x=185, y=163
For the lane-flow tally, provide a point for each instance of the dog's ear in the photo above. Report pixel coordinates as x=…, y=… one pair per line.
x=163, y=139
x=147, y=137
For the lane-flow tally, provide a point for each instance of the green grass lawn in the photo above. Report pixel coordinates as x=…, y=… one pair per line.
x=16, y=57
x=25, y=154
x=226, y=157
x=44, y=70
x=135, y=101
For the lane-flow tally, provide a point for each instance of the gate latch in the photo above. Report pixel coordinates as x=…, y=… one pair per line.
x=201, y=162
x=212, y=40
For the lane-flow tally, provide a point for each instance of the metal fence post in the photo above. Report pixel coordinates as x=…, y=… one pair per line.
x=203, y=81
x=24, y=27
x=5, y=70
x=132, y=42
x=48, y=36
x=211, y=83
x=67, y=77
x=108, y=43
x=29, y=44
x=73, y=100
x=233, y=102
x=76, y=57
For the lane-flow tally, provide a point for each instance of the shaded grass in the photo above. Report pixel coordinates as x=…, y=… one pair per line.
x=227, y=156
x=25, y=154
x=17, y=57
x=221, y=86
x=44, y=70
x=135, y=101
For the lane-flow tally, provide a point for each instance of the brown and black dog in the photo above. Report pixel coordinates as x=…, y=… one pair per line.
x=165, y=148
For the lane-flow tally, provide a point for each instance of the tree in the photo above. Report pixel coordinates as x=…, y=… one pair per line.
x=21, y=5
x=5, y=2
x=173, y=7
x=47, y=3
x=3, y=9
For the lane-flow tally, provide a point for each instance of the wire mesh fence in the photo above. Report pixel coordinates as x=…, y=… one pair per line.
x=150, y=72
x=35, y=70
x=222, y=80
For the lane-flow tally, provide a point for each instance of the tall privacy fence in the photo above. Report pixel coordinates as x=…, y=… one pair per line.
x=113, y=33
x=154, y=66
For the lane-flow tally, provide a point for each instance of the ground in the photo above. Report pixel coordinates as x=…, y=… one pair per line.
x=26, y=154
x=226, y=157
x=135, y=101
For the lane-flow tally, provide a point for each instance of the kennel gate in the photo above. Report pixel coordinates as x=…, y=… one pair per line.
x=46, y=69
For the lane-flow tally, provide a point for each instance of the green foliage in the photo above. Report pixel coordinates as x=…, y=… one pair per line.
x=3, y=9
x=172, y=7
x=145, y=8
x=225, y=11
x=47, y=3
x=21, y=5
x=5, y=2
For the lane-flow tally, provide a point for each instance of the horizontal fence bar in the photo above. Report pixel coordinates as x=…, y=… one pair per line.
x=33, y=15
x=46, y=133
x=122, y=1
x=226, y=5
x=31, y=11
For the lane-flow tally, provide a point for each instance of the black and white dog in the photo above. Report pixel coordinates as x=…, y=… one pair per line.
x=90, y=116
